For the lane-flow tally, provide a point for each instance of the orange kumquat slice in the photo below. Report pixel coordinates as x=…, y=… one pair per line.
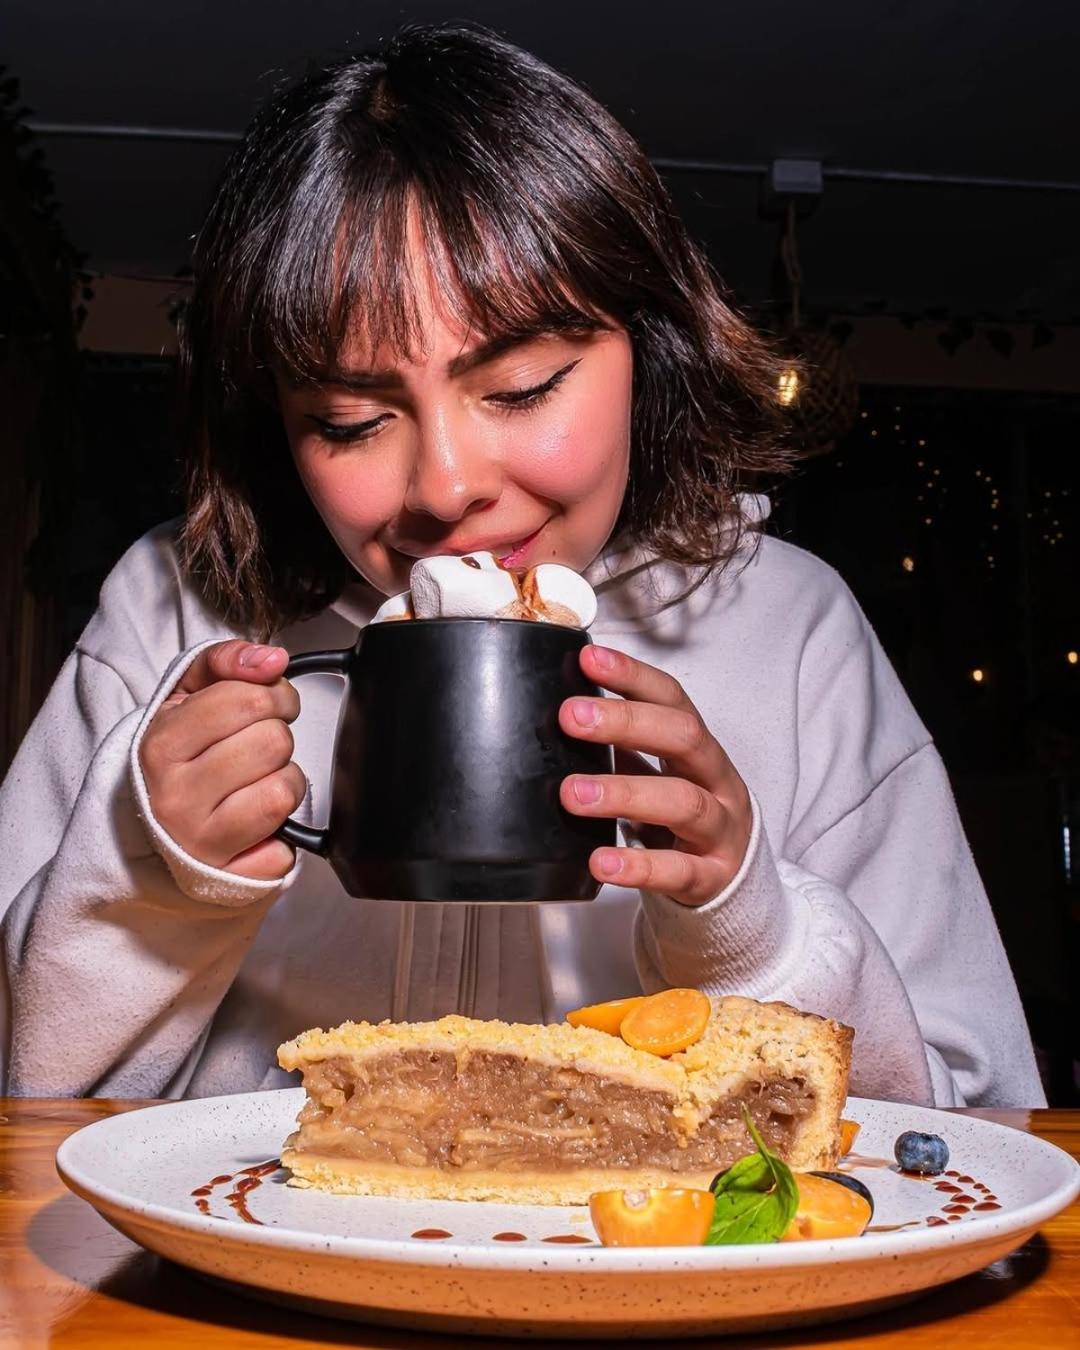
x=605, y=1016
x=667, y=1022
x=826, y=1210
x=657, y=1218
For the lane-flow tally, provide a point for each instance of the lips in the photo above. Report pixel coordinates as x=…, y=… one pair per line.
x=508, y=552
x=518, y=551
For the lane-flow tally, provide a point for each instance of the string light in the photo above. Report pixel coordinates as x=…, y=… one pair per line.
x=898, y=436
x=978, y=675
x=1072, y=657
x=789, y=387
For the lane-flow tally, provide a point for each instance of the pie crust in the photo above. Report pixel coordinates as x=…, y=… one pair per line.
x=471, y=1110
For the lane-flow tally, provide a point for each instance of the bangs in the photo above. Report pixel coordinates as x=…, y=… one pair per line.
x=347, y=271
x=448, y=162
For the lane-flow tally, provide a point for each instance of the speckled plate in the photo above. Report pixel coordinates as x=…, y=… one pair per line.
x=198, y=1182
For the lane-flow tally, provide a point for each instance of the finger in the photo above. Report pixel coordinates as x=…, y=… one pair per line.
x=244, y=758
x=269, y=860
x=631, y=678
x=678, y=736
x=237, y=659
x=687, y=810
x=686, y=877
x=213, y=714
x=251, y=815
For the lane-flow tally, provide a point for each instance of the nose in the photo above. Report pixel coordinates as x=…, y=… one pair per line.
x=452, y=473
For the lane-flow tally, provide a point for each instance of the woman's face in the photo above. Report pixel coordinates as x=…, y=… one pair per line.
x=521, y=450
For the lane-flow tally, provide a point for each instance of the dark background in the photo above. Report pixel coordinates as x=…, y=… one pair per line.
x=940, y=261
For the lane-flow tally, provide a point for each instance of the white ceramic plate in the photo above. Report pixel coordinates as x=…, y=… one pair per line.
x=359, y=1257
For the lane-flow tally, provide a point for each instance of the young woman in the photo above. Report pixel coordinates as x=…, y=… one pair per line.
x=442, y=304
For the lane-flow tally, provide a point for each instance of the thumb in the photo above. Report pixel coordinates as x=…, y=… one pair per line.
x=237, y=659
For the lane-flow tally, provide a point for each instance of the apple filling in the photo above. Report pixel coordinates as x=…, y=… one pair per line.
x=487, y=1111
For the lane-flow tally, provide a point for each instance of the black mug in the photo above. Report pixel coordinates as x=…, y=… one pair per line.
x=448, y=762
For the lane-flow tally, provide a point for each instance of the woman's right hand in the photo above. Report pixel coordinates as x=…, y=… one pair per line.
x=217, y=758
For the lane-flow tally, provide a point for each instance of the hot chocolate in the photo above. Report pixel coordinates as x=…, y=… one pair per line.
x=477, y=586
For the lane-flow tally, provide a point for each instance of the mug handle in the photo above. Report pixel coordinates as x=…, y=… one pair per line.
x=312, y=663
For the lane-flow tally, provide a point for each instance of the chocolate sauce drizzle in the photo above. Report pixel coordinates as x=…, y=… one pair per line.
x=245, y=1181
x=956, y=1203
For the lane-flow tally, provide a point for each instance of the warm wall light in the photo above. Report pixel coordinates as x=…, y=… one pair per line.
x=788, y=391
x=978, y=675
x=1072, y=657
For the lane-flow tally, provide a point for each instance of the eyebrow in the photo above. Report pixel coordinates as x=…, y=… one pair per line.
x=480, y=355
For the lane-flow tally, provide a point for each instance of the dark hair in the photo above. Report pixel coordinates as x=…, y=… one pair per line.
x=540, y=212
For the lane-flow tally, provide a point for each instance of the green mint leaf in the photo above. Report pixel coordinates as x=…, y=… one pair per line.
x=787, y=1187
x=756, y=1198
x=743, y=1216
x=751, y=1173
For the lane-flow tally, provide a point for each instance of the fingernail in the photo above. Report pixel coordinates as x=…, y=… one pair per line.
x=254, y=655
x=610, y=862
x=604, y=657
x=587, y=790
x=585, y=712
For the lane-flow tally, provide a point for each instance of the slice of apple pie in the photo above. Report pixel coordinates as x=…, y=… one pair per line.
x=467, y=1110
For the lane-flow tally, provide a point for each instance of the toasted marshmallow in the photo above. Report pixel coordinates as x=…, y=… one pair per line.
x=396, y=607
x=474, y=587
x=561, y=588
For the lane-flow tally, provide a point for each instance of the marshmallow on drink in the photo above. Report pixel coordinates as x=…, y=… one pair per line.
x=477, y=587
x=395, y=607
x=561, y=590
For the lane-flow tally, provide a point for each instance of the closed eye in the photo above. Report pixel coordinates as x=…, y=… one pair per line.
x=526, y=398
x=343, y=433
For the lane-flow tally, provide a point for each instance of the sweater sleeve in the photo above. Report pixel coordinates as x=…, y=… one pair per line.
x=117, y=948
x=873, y=914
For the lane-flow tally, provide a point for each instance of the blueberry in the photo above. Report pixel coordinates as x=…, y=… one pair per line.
x=852, y=1183
x=924, y=1153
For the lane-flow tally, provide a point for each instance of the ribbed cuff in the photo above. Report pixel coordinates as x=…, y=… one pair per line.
x=743, y=941
x=196, y=879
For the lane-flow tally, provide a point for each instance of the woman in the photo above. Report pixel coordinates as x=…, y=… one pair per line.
x=443, y=303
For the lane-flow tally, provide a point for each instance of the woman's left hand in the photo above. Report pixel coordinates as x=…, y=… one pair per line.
x=697, y=798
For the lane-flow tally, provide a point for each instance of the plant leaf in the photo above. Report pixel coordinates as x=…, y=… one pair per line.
x=751, y=1173
x=756, y=1198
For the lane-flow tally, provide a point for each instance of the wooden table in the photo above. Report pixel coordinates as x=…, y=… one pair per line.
x=67, y=1278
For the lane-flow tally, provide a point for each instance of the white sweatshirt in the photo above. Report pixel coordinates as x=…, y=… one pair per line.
x=131, y=969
